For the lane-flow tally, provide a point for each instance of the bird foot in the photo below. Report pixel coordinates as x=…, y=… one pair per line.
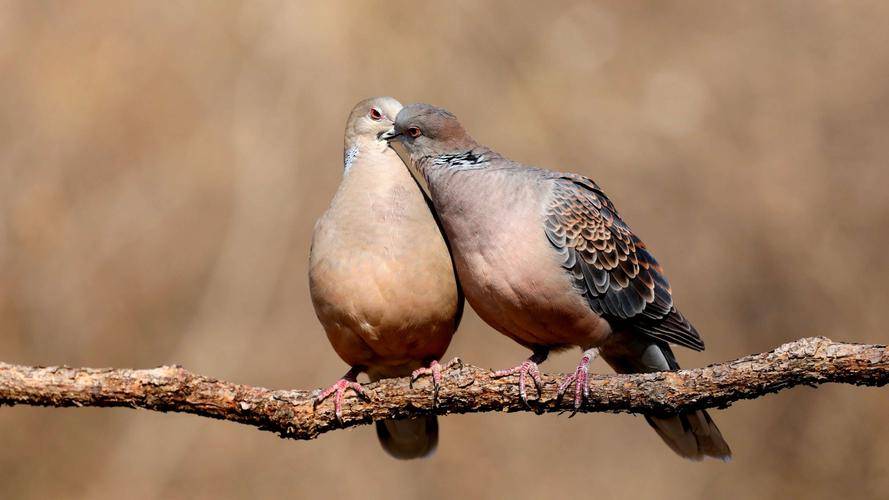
x=434, y=370
x=339, y=389
x=580, y=379
x=528, y=368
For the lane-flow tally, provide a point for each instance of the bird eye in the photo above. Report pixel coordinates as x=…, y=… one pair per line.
x=375, y=114
x=414, y=132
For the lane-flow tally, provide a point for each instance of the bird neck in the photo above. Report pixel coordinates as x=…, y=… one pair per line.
x=438, y=163
x=377, y=186
x=366, y=149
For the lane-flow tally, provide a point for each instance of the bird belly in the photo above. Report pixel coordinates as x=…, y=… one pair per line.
x=523, y=292
x=376, y=313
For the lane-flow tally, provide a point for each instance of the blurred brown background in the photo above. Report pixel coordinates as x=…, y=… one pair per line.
x=161, y=166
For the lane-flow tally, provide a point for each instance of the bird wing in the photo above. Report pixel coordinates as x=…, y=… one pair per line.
x=610, y=265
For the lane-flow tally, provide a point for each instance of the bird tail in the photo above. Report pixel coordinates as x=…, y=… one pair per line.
x=691, y=435
x=408, y=438
x=411, y=438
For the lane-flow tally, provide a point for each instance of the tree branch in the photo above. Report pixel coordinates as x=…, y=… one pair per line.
x=465, y=389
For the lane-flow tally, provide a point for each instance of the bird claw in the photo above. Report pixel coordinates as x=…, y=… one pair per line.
x=528, y=368
x=434, y=370
x=339, y=389
x=581, y=389
x=580, y=379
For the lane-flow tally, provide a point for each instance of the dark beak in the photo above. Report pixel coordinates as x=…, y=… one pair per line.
x=389, y=134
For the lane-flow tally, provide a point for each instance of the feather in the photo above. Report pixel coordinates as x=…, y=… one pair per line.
x=614, y=270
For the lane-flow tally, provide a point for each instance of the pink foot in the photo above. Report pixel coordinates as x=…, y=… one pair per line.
x=528, y=368
x=434, y=370
x=579, y=379
x=339, y=388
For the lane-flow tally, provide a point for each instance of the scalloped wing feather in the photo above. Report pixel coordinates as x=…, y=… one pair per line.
x=610, y=265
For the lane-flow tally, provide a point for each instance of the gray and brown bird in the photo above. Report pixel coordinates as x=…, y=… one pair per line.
x=544, y=258
x=381, y=278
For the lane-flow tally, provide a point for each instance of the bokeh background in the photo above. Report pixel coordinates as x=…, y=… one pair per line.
x=162, y=164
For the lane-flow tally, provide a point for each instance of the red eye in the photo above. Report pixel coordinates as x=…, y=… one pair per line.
x=413, y=132
x=375, y=114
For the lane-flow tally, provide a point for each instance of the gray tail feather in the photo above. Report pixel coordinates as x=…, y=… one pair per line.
x=691, y=435
x=411, y=438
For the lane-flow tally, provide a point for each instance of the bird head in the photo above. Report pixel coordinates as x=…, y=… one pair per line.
x=370, y=119
x=427, y=131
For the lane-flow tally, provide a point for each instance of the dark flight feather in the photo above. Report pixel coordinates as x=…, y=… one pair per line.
x=610, y=265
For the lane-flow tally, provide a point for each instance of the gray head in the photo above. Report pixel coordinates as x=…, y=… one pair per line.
x=370, y=119
x=426, y=130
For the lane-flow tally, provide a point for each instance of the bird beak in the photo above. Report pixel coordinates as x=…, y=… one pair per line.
x=389, y=134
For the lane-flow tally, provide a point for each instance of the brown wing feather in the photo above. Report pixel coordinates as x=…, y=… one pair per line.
x=610, y=266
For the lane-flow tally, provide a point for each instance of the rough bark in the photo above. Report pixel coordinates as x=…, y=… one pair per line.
x=465, y=389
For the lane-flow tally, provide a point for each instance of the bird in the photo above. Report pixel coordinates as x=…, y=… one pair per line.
x=545, y=258
x=381, y=278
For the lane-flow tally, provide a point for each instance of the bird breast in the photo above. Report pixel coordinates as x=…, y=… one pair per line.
x=380, y=273
x=510, y=273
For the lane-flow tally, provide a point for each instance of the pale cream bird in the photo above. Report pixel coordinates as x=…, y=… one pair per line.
x=381, y=276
